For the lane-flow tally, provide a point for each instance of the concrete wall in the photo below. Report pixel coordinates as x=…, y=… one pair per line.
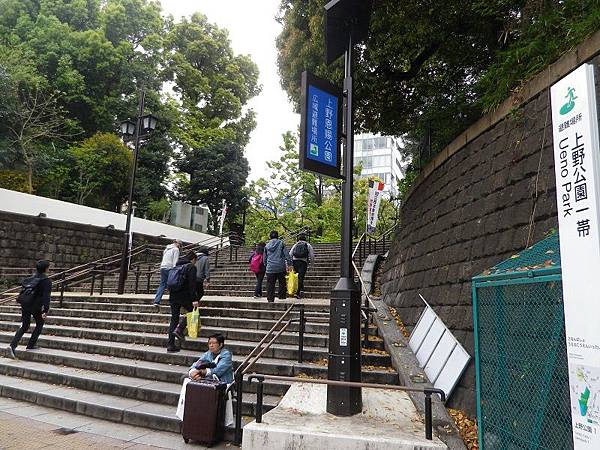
x=20, y=203
x=488, y=195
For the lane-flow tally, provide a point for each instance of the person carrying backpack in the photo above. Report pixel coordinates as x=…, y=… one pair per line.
x=303, y=255
x=182, y=294
x=257, y=267
x=35, y=301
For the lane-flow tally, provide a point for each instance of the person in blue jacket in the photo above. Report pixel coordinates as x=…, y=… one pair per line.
x=276, y=260
x=219, y=356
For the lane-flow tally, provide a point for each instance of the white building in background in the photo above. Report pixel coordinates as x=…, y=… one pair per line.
x=189, y=216
x=380, y=157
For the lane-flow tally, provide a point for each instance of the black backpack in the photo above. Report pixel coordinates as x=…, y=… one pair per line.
x=301, y=250
x=176, y=279
x=28, y=291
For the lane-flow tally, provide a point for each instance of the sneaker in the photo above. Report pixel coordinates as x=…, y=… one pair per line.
x=256, y=296
x=179, y=335
x=172, y=349
x=33, y=347
x=157, y=307
x=11, y=352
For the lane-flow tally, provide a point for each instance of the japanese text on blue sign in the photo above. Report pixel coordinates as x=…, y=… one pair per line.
x=321, y=127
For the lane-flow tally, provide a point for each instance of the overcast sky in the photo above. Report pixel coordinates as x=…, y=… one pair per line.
x=252, y=30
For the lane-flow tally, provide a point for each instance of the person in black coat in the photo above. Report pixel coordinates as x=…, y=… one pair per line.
x=38, y=307
x=185, y=298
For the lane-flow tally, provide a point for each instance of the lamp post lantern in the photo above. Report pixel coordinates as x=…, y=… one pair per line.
x=346, y=23
x=143, y=124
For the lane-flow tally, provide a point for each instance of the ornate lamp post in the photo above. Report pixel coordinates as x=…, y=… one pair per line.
x=130, y=130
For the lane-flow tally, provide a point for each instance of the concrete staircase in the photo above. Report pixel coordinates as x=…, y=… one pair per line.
x=104, y=356
x=232, y=277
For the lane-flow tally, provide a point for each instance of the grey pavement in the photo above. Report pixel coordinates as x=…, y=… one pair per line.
x=25, y=425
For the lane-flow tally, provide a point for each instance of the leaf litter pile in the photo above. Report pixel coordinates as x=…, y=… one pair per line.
x=467, y=428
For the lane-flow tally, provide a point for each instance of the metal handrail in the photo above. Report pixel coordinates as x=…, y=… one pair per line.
x=77, y=271
x=369, y=306
x=244, y=367
x=427, y=391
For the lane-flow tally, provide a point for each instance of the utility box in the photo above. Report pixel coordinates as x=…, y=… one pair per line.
x=520, y=352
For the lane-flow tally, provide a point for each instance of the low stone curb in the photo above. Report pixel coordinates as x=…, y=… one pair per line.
x=407, y=366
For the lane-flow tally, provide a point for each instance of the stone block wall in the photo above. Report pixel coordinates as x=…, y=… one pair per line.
x=26, y=239
x=488, y=196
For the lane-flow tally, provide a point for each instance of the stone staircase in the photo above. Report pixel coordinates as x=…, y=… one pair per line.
x=104, y=356
x=232, y=276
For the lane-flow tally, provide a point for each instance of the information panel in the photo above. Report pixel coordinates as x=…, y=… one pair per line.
x=320, y=128
x=577, y=167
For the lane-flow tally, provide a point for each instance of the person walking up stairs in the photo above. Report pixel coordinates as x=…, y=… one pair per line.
x=303, y=255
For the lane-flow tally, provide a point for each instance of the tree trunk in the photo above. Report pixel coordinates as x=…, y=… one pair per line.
x=30, y=178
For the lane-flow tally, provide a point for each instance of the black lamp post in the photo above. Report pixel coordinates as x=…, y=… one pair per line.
x=346, y=23
x=143, y=125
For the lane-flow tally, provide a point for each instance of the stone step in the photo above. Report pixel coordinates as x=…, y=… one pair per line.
x=224, y=322
x=142, y=371
x=110, y=300
x=53, y=321
x=204, y=311
x=102, y=406
x=238, y=347
x=99, y=382
x=186, y=357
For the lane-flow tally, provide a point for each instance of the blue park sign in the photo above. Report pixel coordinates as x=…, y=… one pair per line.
x=320, y=128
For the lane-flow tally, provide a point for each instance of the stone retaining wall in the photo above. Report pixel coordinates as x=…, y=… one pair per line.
x=26, y=239
x=489, y=195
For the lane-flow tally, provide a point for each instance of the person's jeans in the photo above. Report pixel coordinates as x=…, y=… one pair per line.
x=26, y=314
x=177, y=321
x=259, y=280
x=300, y=268
x=280, y=278
x=164, y=275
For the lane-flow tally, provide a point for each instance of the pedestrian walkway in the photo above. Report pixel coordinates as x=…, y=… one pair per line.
x=27, y=426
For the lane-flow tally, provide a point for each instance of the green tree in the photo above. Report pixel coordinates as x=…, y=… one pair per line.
x=103, y=166
x=435, y=65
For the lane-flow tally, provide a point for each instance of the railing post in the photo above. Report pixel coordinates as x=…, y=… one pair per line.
x=239, y=380
x=93, y=279
x=366, y=327
x=428, y=424
x=137, y=278
x=102, y=272
x=62, y=289
x=259, y=400
x=217, y=257
x=230, y=251
x=301, y=335
x=148, y=283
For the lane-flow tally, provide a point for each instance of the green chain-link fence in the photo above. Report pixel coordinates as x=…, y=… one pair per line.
x=520, y=352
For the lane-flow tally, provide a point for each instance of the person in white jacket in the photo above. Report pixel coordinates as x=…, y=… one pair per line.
x=169, y=260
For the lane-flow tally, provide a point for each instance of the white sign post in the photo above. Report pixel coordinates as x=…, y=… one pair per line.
x=577, y=167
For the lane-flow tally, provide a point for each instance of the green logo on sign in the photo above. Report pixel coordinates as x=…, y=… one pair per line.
x=567, y=107
x=314, y=149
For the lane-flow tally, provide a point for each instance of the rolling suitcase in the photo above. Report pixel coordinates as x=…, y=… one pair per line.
x=204, y=412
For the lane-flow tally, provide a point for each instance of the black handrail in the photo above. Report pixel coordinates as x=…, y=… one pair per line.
x=427, y=391
x=245, y=366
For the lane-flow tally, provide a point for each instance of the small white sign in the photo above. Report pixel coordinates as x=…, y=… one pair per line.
x=577, y=168
x=343, y=337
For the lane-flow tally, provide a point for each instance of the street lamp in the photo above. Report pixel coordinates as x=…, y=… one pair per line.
x=143, y=125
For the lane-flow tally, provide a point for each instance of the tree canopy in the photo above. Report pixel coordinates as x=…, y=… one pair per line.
x=78, y=66
x=432, y=68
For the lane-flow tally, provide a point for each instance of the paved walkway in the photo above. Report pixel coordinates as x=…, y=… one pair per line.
x=28, y=426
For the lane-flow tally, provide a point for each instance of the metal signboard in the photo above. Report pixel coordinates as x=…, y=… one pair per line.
x=320, y=126
x=577, y=168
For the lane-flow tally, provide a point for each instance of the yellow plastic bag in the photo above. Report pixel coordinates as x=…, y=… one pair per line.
x=292, y=283
x=193, y=323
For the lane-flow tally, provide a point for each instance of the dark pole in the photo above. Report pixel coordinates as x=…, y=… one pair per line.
x=344, y=363
x=125, y=251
